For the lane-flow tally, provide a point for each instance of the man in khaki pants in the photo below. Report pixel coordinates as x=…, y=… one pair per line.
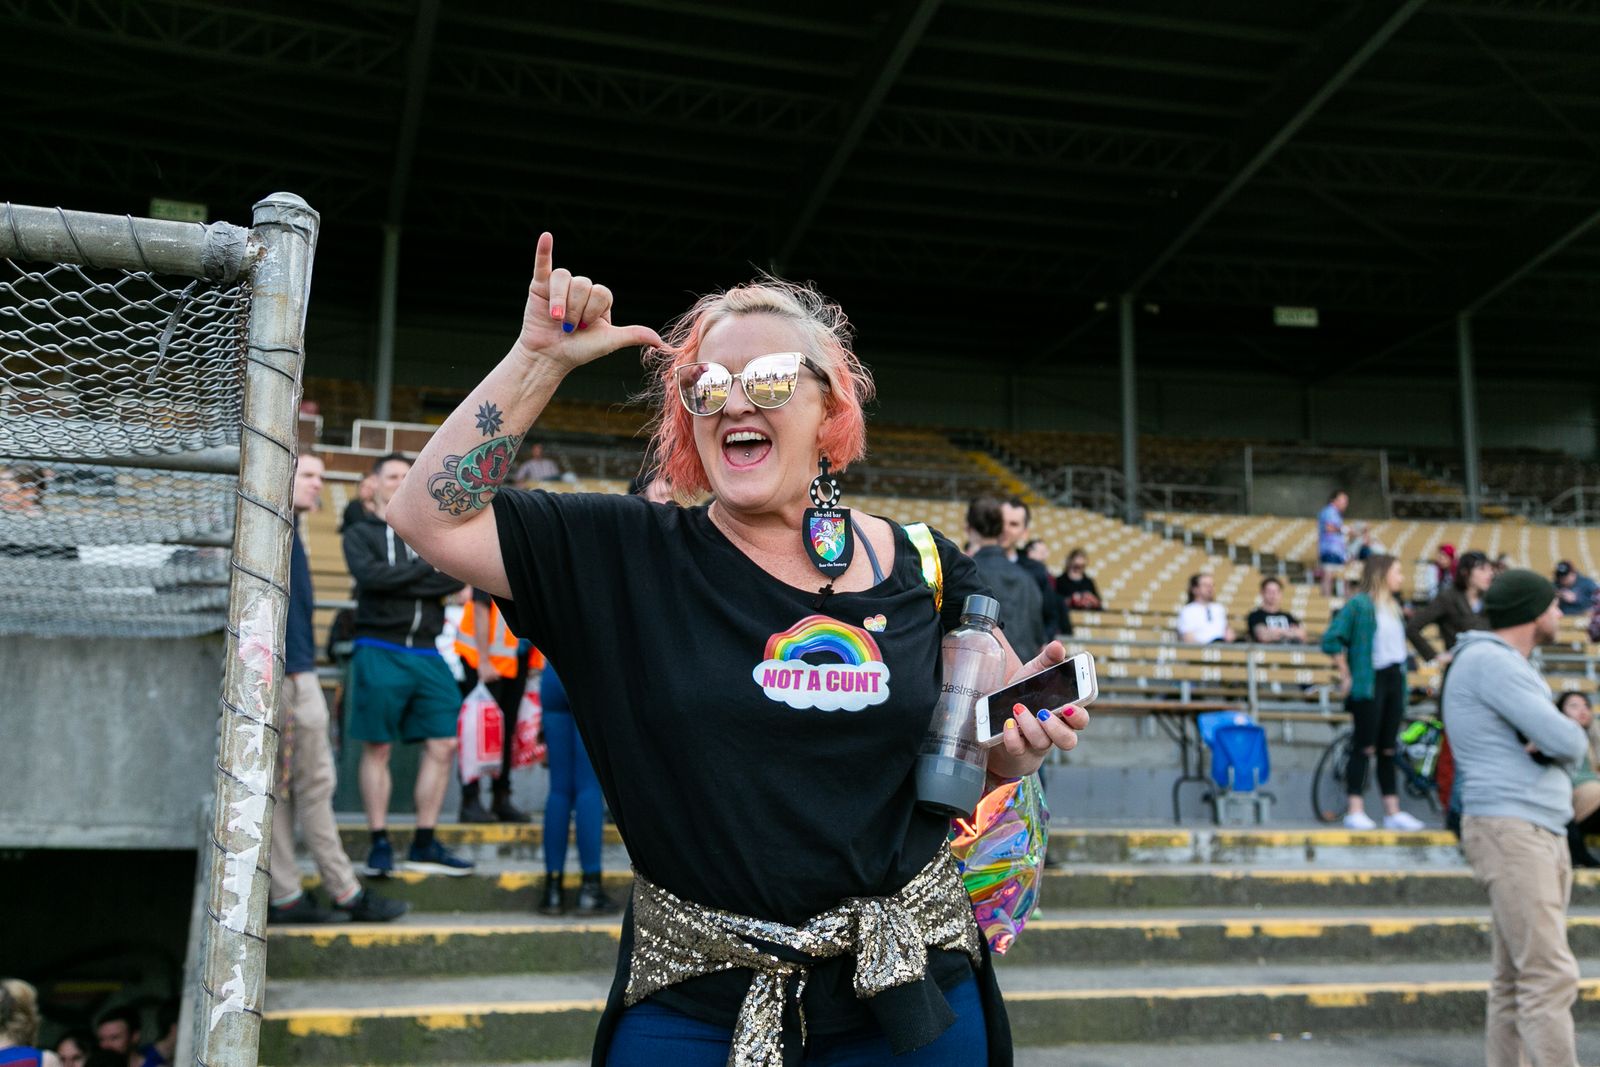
x=1511, y=744
x=305, y=760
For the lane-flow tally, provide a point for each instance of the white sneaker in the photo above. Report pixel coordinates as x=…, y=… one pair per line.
x=1359, y=820
x=1402, y=820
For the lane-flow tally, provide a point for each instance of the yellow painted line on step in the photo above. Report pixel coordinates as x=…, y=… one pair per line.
x=342, y=1022
x=1318, y=994
x=1134, y=838
x=1334, y=838
x=393, y=936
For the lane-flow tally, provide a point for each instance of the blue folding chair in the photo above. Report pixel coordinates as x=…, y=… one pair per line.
x=1240, y=764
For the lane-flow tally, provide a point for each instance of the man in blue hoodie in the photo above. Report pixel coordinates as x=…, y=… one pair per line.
x=1511, y=746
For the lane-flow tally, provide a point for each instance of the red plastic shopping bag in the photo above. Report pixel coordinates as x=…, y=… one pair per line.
x=481, y=731
x=528, y=747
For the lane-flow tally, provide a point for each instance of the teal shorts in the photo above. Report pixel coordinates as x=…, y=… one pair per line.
x=400, y=696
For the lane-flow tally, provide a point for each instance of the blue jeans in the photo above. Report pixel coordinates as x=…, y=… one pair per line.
x=652, y=1036
x=573, y=788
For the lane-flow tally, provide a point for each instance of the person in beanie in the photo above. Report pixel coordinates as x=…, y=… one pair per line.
x=1512, y=748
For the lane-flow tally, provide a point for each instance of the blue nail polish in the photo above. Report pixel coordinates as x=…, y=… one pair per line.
x=1044, y=713
x=567, y=327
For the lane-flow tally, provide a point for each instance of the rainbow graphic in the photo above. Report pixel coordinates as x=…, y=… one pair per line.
x=818, y=634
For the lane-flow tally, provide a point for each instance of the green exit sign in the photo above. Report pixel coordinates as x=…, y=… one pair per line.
x=1304, y=318
x=177, y=210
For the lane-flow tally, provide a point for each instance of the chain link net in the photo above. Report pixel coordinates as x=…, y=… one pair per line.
x=113, y=365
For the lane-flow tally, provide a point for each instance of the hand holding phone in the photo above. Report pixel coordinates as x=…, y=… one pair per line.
x=1072, y=681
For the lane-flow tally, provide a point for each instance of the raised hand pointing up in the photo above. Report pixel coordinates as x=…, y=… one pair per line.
x=568, y=317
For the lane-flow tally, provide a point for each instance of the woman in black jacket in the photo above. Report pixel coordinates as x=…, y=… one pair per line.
x=1457, y=608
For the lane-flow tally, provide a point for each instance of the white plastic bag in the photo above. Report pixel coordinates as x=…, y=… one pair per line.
x=481, y=731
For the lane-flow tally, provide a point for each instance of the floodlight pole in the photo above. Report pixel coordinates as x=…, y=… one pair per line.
x=1469, y=414
x=1130, y=410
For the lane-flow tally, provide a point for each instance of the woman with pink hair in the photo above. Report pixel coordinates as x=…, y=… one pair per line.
x=754, y=698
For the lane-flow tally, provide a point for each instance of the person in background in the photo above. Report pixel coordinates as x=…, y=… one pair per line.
x=1367, y=641
x=538, y=467
x=361, y=505
x=1585, y=781
x=73, y=1048
x=1574, y=590
x=306, y=775
x=1332, y=546
x=19, y=1027
x=1366, y=542
x=159, y=1053
x=1270, y=624
x=1440, y=573
x=1021, y=617
x=1075, y=586
x=1502, y=563
x=493, y=655
x=119, y=1030
x=1512, y=750
x=1457, y=609
x=1017, y=517
x=400, y=688
x=1202, y=621
x=574, y=797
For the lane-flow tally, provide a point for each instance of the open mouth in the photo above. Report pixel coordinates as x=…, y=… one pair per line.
x=742, y=449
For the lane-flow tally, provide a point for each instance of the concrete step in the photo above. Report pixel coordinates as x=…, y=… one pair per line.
x=436, y=945
x=515, y=888
x=540, y=1017
x=1290, y=846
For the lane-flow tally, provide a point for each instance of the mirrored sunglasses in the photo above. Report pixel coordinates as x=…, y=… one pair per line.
x=768, y=381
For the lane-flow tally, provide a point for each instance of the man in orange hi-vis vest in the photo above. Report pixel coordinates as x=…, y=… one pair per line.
x=493, y=655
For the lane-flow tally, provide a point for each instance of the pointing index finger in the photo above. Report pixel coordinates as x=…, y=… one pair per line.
x=544, y=258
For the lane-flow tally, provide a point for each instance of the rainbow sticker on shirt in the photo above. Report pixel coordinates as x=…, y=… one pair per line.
x=825, y=664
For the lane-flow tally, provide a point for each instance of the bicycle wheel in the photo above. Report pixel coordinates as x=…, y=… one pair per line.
x=1329, y=797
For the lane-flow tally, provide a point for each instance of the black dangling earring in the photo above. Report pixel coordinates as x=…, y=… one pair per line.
x=826, y=529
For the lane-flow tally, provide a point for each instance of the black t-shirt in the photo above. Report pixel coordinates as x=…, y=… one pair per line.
x=757, y=750
x=1077, y=590
x=1277, y=620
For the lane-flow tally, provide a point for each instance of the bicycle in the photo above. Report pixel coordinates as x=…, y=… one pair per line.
x=1416, y=757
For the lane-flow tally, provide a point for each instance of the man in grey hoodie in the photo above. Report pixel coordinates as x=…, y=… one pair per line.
x=1511, y=745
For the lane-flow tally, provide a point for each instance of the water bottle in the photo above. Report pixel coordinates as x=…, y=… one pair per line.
x=950, y=767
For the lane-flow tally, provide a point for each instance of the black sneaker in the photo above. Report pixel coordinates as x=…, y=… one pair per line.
x=475, y=812
x=305, y=909
x=505, y=811
x=369, y=907
x=436, y=859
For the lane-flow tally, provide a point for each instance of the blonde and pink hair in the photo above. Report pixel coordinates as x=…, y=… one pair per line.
x=826, y=337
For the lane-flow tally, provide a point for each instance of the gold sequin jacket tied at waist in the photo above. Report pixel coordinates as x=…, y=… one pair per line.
x=674, y=940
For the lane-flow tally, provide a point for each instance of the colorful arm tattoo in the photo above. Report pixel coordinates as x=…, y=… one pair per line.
x=469, y=482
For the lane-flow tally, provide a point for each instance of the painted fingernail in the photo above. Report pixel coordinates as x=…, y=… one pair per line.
x=1019, y=710
x=567, y=327
x=583, y=325
x=1044, y=713
x=558, y=311
x=1011, y=724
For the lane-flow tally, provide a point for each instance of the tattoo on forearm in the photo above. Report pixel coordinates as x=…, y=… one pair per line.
x=468, y=483
x=489, y=418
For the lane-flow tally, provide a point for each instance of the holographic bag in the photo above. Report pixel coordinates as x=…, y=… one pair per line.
x=1000, y=852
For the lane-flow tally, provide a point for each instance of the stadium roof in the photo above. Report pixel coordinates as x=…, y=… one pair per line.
x=970, y=177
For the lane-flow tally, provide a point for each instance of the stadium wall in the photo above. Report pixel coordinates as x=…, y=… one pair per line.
x=1368, y=412
x=109, y=743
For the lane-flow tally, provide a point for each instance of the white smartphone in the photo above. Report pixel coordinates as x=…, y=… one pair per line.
x=1071, y=681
